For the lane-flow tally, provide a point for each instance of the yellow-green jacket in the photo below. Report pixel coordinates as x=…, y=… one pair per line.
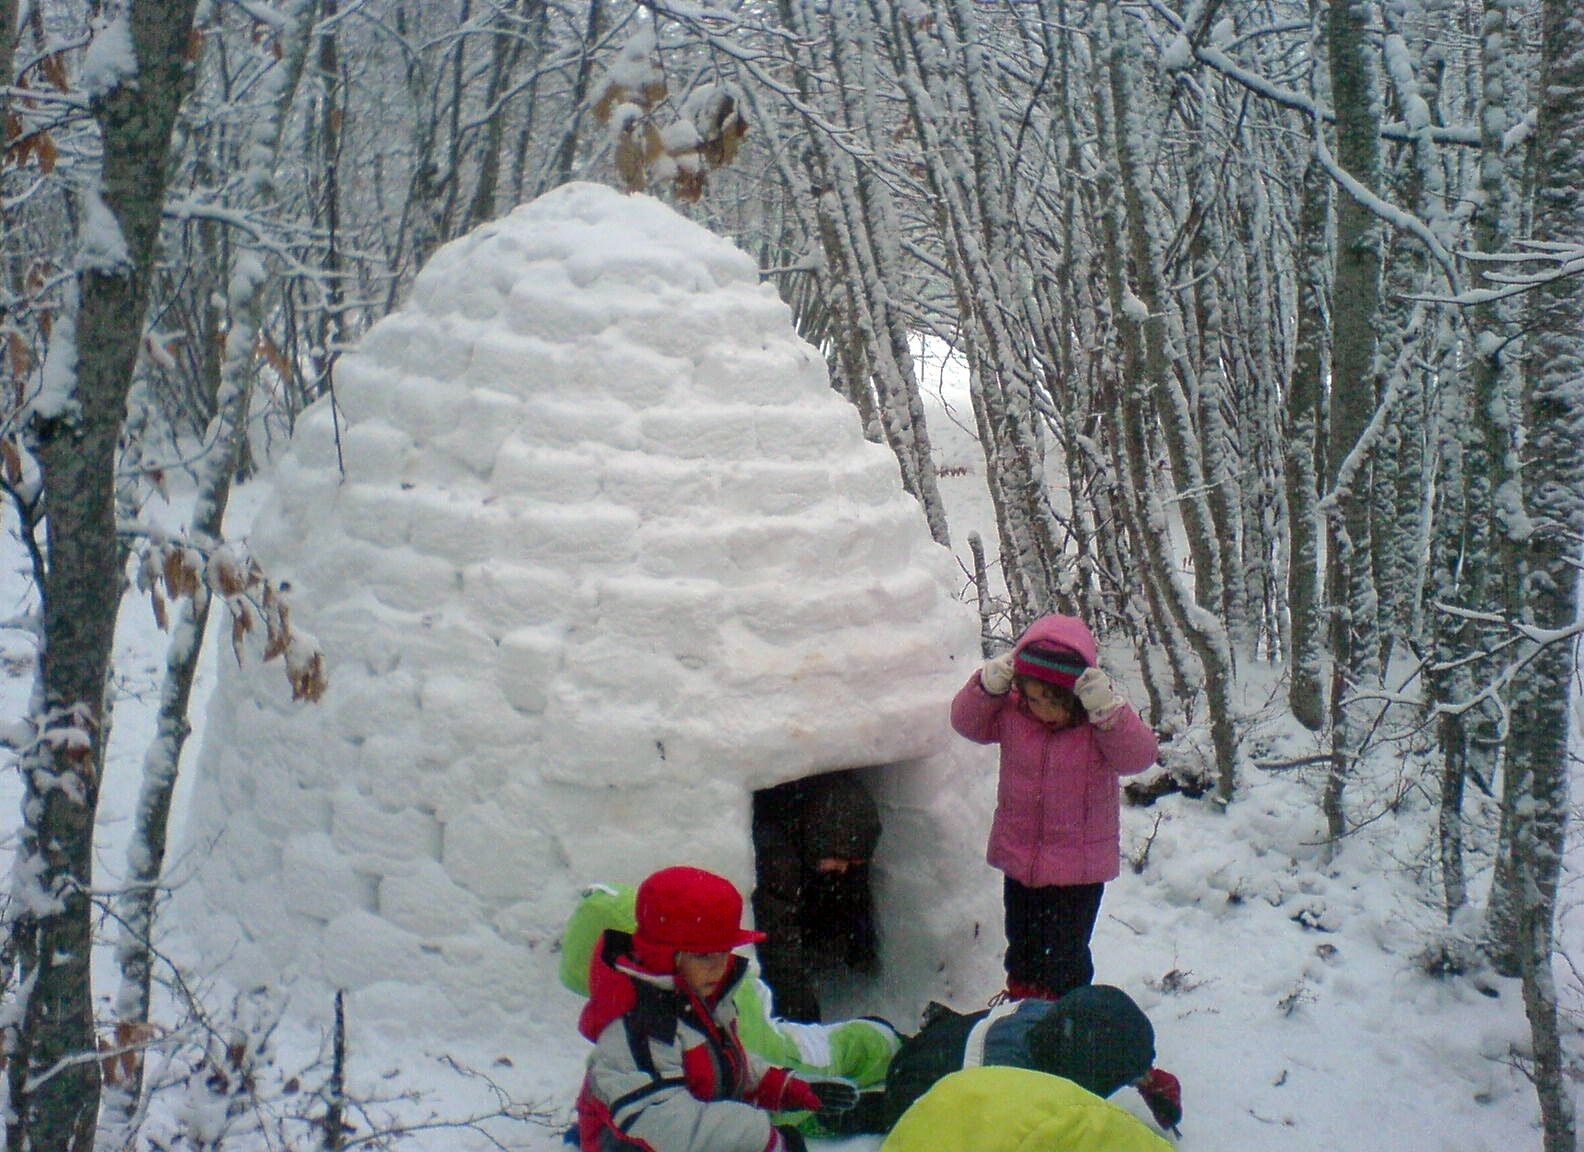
x=999, y=1109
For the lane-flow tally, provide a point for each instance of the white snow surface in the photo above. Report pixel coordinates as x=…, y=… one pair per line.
x=608, y=555
x=1284, y=989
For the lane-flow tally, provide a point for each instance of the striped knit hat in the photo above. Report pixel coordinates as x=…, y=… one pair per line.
x=1059, y=666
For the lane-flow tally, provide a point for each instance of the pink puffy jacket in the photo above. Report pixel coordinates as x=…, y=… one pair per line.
x=1058, y=807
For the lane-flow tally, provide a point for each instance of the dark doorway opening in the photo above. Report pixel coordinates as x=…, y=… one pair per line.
x=814, y=844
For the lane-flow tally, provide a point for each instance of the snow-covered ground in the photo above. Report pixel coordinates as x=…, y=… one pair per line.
x=1285, y=988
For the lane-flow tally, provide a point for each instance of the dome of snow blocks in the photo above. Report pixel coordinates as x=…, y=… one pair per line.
x=607, y=555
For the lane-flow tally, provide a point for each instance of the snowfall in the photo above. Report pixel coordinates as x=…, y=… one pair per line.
x=607, y=555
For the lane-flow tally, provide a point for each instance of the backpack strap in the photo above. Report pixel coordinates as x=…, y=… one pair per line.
x=638, y=1046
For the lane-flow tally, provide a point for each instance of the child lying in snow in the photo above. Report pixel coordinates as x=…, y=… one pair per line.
x=999, y=1109
x=1096, y=1036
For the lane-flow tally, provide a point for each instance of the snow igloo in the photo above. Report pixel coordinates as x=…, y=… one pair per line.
x=593, y=552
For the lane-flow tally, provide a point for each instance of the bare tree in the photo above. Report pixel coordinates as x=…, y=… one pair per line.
x=53, y=1071
x=1553, y=484
x=1355, y=307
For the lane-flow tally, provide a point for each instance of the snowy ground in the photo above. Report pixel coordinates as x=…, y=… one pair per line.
x=1285, y=990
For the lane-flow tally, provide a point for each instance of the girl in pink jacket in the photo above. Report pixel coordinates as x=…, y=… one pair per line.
x=1065, y=736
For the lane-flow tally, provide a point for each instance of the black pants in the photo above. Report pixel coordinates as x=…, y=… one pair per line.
x=1048, y=931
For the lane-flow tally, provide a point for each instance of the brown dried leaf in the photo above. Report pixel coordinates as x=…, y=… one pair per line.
x=690, y=185
x=610, y=96
x=630, y=162
x=308, y=678
x=193, y=564
x=158, y=603
x=53, y=69
x=731, y=138
x=16, y=148
x=266, y=349
x=11, y=461
x=121, y=1060
x=19, y=357
x=225, y=575
x=277, y=629
x=240, y=627
x=654, y=146
x=44, y=148
x=174, y=573
x=652, y=92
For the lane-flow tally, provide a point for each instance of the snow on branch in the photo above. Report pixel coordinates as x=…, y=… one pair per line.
x=1536, y=263
x=1217, y=57
x=1535, y=639
x=1390, y=213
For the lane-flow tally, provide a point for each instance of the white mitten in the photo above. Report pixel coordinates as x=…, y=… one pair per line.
x=996, y=675
x=1096, y=693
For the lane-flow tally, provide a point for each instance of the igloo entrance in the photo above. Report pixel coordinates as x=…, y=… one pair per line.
x=815, y=840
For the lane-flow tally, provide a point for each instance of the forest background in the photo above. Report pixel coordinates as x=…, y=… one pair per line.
x=1288, y=290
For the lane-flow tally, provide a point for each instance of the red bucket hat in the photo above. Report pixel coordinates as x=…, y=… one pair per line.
x=1059, y=666
x=686, y=909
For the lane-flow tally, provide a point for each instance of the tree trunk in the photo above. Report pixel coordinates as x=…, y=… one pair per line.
x=1553, y=475
x=53, y=1070
x=1355, y=308
x=1148, y=369
x=1494, y=373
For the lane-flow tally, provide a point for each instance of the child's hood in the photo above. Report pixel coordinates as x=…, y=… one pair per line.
x=612, y=988
x=614, y=977
x=1062, y=632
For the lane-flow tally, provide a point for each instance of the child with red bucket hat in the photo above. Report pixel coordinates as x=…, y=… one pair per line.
x=668, y=1072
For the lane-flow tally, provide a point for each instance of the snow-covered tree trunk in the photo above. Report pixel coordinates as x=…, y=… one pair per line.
x=53, y=1073
x=1553, y=483
x=136, y=907
x=1148, y=371
x=242, y=269
x=1355, y=308
x=1259, y=364
x=1218, y=437
x=565, y=155
x=1464, y=724
x=8, y=41
x=1068, y=314
x=1494, y=374
x=326, y=148
x=506, y=50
